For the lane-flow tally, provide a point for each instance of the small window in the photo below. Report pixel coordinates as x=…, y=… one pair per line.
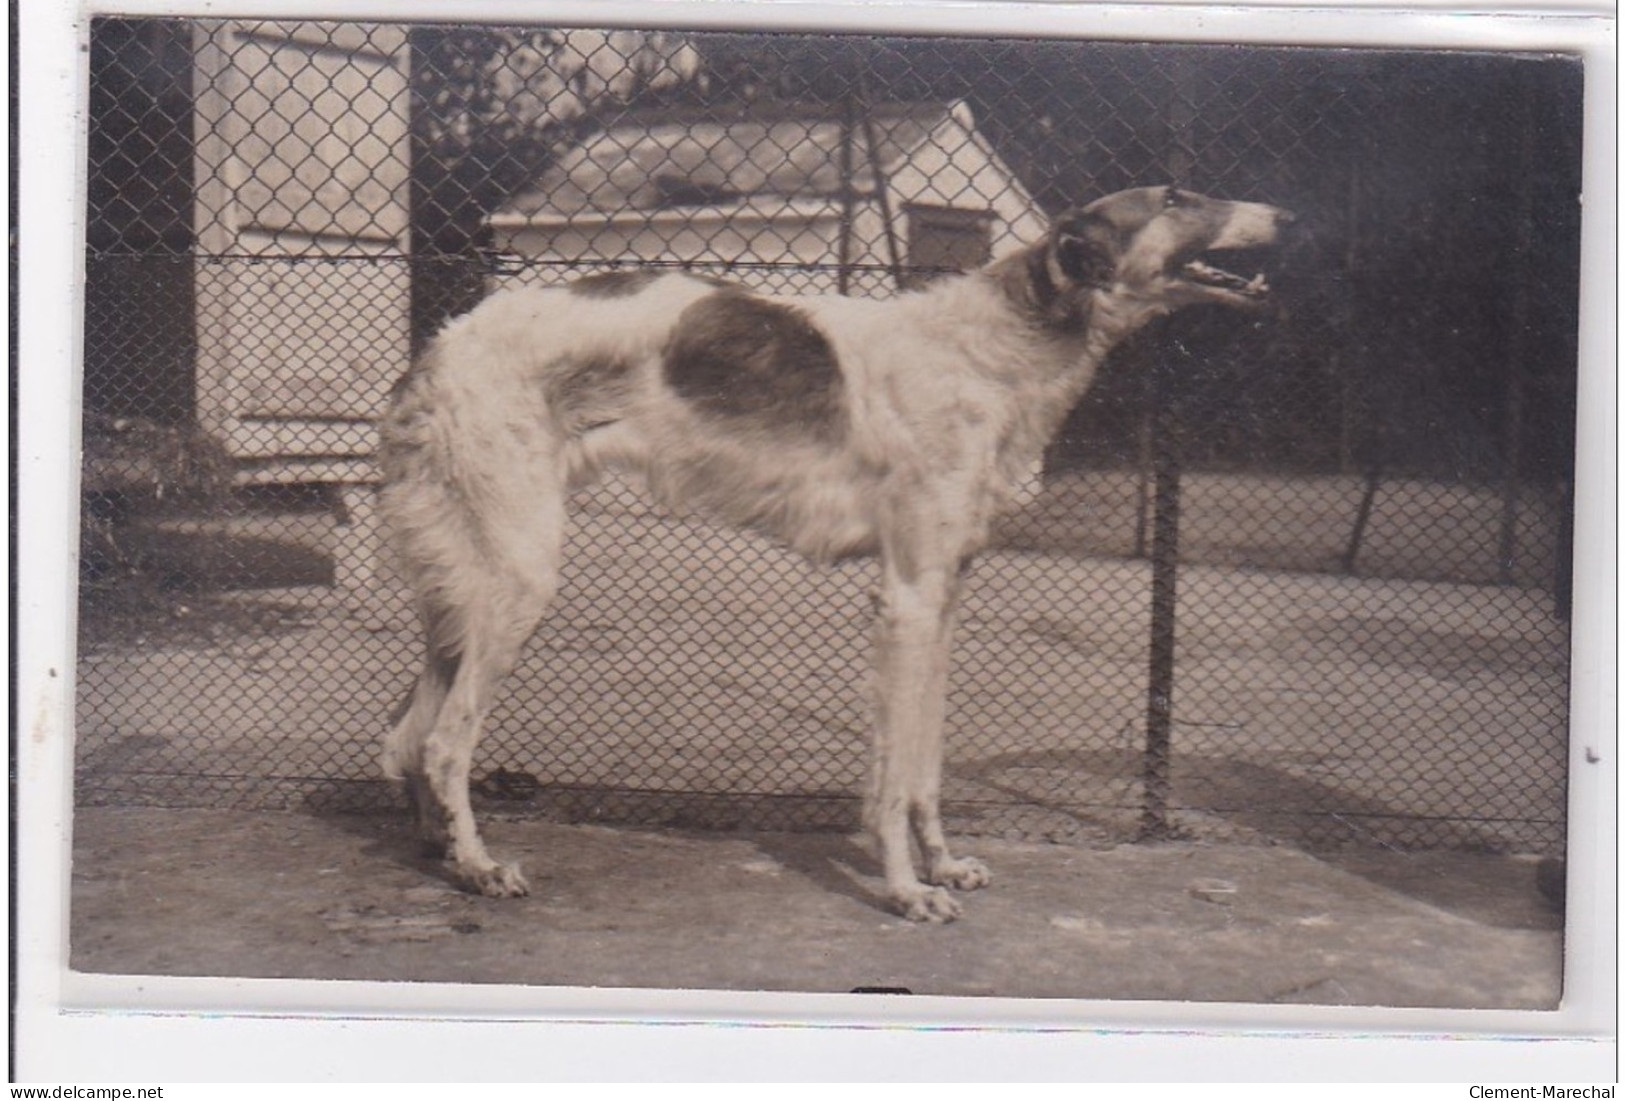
x=943, y=239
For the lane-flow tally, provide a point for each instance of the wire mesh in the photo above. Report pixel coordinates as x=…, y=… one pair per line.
x=1369, y=638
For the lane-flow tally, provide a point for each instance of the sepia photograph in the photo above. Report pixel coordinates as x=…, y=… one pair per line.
x=954, y=516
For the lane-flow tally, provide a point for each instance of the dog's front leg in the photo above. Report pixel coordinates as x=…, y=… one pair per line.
x=913, y=633
x=941, y=867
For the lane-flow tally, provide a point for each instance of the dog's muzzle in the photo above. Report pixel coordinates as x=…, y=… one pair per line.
x=1250, y=226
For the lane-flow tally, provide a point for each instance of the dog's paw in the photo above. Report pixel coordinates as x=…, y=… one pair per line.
x=493, y=880
x=928, y=905
x=963, y=873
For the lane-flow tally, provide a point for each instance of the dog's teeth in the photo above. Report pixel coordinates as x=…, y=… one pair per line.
x=1218, y=277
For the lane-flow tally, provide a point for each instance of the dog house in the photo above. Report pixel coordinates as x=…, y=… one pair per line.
x=785, y=199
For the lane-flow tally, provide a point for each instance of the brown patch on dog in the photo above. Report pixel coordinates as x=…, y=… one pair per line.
x=1025, y=280
x=614, y=284
x=588, y=391
x=737, y=357
x=1197, y=217
x=573, y=379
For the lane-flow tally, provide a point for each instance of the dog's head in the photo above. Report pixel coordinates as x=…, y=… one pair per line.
x=1160, y=247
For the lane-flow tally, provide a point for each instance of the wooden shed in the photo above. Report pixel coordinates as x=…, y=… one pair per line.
x=302, y=231
x=788, y=198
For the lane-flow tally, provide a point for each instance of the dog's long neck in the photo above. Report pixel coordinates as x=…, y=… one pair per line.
x=1067, y=330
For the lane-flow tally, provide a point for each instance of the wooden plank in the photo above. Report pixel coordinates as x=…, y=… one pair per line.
x=216, y=129
x=284, y=471
x=384, y=41
x=327, y=153
x=318, y=340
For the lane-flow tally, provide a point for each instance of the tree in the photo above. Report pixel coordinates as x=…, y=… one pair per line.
x=491, y=108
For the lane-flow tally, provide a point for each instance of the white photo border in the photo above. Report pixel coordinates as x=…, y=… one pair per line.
x=75, y=1027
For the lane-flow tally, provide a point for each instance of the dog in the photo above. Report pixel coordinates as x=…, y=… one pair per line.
x=840, y=426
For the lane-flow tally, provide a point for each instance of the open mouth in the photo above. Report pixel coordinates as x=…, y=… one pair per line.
x=1206, y=274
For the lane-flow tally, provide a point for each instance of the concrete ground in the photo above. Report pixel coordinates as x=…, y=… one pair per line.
x=1373, y=704
x=296, y=895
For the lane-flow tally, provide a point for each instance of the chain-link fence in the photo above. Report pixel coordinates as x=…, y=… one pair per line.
x=1302, y=578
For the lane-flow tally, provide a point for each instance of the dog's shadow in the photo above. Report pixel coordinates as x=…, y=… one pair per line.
x=389, y=837
x=839, y=863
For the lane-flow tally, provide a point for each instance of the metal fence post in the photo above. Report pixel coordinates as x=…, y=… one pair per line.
x=1159, y=722
x=1165, y=474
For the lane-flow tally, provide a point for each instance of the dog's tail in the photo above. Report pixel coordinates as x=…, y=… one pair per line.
x=472, y=505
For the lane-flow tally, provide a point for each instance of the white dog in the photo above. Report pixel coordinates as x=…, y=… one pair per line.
x=840, y=426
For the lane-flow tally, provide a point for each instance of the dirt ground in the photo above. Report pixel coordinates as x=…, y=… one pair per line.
x=232, y=893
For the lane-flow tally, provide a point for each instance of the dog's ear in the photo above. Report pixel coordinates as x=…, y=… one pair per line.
x=1084, y=248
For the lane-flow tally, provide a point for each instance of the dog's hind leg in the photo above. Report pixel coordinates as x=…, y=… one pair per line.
x=483, y=552
x=403, y=748
x=512, y=595
x=442, y=787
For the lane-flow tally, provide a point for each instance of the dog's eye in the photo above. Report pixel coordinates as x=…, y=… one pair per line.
x=1172, y=197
